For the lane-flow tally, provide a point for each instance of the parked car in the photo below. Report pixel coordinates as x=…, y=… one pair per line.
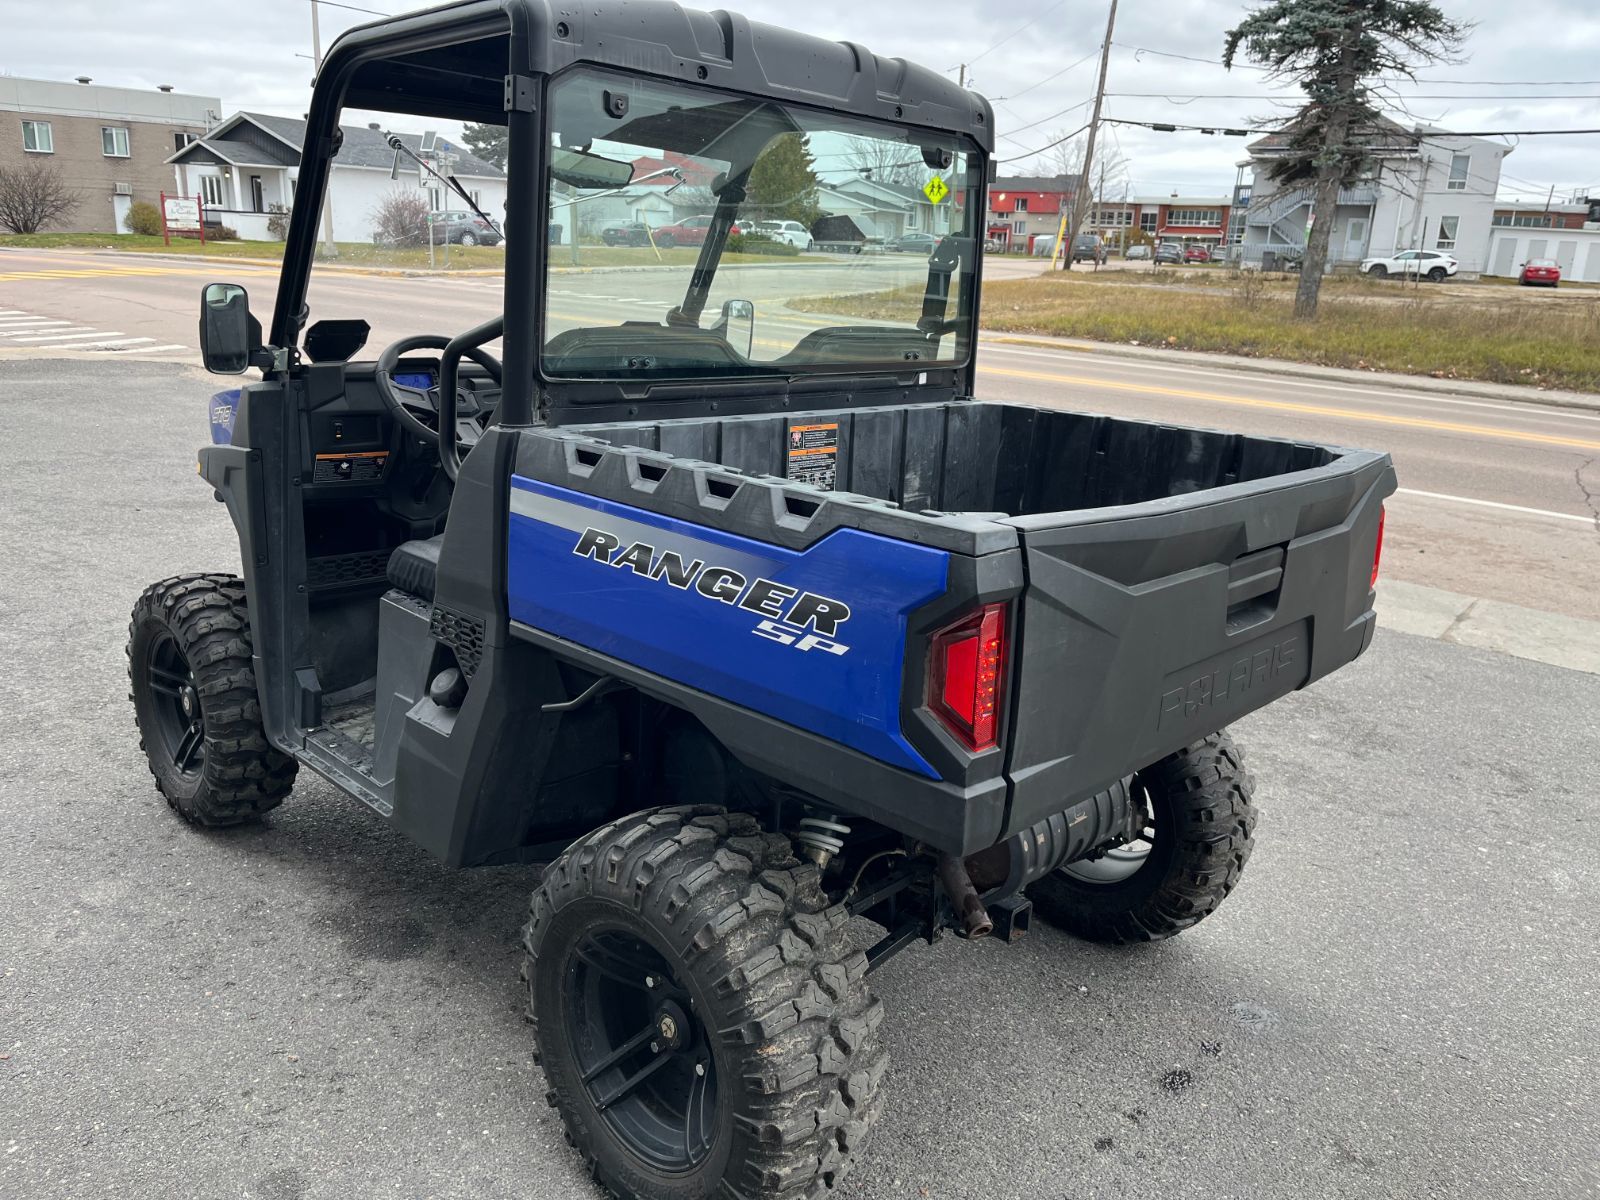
x=691, y=231
x=1196, y=254
x=1140, y=252
x=1168, y=252
x=1430, y=264
x=791, y=233
x=464, y=229
x=914, y=243
x=993, y=246
x=1540, y=272
x=626, y=233
x=1087, y=247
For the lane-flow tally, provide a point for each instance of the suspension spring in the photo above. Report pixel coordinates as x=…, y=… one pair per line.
x=820, y=839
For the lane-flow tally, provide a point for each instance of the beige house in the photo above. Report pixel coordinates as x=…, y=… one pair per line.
x=111, y=144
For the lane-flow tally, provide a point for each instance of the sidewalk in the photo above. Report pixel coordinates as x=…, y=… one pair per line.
x=1490, y=625
x=1279, y=366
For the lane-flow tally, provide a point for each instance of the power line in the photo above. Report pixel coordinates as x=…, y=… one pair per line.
x=1235, y=130
x=1188, y=97
x=1042, y=149
x=1086, y=58
x=1217, y=62
x=1045, y=120
x=1020, y=28
x=335, y=4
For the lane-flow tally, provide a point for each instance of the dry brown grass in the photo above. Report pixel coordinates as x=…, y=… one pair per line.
x=1452, y=332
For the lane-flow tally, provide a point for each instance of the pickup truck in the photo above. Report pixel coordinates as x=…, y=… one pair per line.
x=719, y=595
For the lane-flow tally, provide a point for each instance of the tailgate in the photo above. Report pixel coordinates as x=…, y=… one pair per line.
x=1147, y=626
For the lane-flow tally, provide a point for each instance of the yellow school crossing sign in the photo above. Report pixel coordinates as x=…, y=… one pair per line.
x=936, y=189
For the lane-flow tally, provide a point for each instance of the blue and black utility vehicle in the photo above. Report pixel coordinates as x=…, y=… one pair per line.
x=703, y=577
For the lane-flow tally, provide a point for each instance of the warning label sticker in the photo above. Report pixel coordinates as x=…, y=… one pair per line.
x=814, y=454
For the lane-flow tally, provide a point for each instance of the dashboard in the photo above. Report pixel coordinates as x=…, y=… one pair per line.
x=421, y=380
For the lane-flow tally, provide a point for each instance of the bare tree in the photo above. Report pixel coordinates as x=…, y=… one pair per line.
x=885, y=161
x=1111, y=172
x=401, y=218
x=35, y=195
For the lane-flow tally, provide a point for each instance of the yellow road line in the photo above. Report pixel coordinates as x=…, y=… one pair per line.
x=1312, y=410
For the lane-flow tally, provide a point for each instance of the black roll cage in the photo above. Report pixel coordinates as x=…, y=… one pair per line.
x=362, y=70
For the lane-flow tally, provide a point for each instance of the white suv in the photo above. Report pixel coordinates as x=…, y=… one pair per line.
x=792, y=232
x=1431, y=264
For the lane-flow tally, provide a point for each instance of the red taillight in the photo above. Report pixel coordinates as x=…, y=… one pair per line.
x=1377, y=551
x=965, y=671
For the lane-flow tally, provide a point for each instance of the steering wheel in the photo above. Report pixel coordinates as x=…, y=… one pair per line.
x=414, y=406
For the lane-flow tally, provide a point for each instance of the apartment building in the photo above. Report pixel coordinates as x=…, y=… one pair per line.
x=110, y=144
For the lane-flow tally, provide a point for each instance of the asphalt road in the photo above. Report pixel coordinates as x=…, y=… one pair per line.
x=1399, y=1001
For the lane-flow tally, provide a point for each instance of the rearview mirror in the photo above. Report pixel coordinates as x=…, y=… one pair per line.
x=737, y=326
x=580, y=169
x=229, y=335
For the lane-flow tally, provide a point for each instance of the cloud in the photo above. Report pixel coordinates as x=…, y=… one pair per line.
x=256, y=55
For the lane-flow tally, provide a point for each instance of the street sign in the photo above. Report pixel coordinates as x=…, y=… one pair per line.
x=181, y=212
x=936, y=189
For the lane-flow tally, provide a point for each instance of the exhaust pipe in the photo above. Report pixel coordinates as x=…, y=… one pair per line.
x=957, y=884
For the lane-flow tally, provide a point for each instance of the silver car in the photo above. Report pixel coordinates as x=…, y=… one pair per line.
x=790, y=232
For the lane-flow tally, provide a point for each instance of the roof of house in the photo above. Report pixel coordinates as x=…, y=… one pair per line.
x=1391, y=135
x=265, y=140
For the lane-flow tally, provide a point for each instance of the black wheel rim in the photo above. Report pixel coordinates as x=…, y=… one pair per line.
x=641, y=1051
x=179, y=724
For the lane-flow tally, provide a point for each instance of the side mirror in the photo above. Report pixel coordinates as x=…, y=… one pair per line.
x=737, y=326
x=229, y=336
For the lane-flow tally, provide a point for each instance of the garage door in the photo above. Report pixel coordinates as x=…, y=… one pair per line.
x=1505, y=256
x=1566, y=252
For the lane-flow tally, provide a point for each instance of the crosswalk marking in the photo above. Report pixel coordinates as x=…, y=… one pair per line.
x=20, y=330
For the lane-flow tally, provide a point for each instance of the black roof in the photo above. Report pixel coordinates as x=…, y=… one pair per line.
x=657, y=37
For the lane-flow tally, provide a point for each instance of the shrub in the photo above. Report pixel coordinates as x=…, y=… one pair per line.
x=401, y=218
x=143, y=218
x=221, y=233
x=755, y=243
x=34, y=196
x=278, y=222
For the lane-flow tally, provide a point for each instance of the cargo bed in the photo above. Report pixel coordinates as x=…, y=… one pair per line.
x=1163, y=582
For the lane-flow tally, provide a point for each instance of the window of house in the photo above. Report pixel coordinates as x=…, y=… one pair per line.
x=1532, y=220
x=211, y=190
x=1019, y=227
x=180, y=140
x=1447, y=232
x=1460, y=168
x=1194, y=216
x=114, y=141
x=36, y=137
x=1022, y=204
x=1147, y=221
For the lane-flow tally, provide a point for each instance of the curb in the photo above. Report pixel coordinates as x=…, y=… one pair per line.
x=1279, y=366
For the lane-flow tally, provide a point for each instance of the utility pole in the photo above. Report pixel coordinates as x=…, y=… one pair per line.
x=329, y=246
x=1075, y=222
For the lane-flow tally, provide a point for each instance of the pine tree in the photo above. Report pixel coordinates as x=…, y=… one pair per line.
x=489, y=142
x=1331, y=48
x=783, y=182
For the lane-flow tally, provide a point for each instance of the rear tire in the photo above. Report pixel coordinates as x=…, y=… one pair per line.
x=469, y=239
x=1202, y=831
x=664, y=241
x=1437, y=275
x=695, y=917
x=193, y=687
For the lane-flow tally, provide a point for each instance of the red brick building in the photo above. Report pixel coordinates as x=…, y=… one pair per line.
x=1541, y=216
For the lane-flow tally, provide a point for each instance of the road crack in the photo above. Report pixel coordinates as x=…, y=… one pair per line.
x=1590, y=497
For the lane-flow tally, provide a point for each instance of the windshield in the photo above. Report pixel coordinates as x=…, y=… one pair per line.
x=747, y=236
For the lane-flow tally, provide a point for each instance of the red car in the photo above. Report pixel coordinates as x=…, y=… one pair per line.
x=1540, y=272
x=1196, y=254
x=691, y=231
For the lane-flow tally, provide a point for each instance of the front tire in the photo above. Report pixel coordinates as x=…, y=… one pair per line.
x=701, y=1016
x=1379, y=271
x=1200, y=831
x=469, y=239
x=193, y=687
x=665, y=241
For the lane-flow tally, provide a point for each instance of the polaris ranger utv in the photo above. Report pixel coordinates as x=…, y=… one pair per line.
x=737, y=610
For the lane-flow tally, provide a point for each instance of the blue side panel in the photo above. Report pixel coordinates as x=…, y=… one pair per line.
x=222, y=408
x=752, y=623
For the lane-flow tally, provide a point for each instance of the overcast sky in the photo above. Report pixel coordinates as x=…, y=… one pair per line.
x=1532, y=64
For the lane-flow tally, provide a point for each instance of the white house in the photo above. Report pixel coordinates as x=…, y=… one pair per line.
x=1428, y=189
x=246, y=168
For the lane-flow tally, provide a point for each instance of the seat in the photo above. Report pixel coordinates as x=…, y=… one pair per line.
x=414, y=565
